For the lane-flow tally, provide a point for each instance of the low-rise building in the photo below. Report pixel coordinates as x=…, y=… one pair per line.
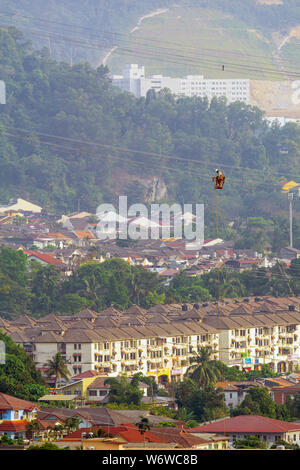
x=267, y=429
x=14, y=415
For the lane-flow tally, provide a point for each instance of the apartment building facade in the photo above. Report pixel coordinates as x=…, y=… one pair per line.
x=134, y=81
x=160, y=342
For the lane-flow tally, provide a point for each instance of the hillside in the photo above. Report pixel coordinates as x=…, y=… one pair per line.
x=69, y=137
x=76, y=30
x=225, y=30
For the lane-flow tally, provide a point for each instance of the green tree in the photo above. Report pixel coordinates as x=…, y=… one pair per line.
x=57, y=367
x=257, y=402
x=202, y=369
x=33, y=428
x=250, y=442
x=19, y=376
x=122, y=390
x=143, y=426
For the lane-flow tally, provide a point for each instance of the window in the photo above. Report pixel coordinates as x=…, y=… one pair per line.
x=92, y=393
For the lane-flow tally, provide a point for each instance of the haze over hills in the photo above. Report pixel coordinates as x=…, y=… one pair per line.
x=257, y=39
x=237, y=28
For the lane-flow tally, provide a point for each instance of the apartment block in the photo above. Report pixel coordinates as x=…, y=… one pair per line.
x=134, y=81
x=161, y=341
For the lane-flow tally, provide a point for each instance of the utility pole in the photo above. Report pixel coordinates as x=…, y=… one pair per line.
x=290, y=198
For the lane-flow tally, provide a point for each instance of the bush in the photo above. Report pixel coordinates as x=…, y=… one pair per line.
x=165, y=424
x=6, y=441
x=47, y=446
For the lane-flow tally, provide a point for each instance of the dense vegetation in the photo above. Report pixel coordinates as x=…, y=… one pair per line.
x=72, y=25
x=74, y=20
x=39, y=290
x=18, y=376
x=268, y=18
x=79, y=103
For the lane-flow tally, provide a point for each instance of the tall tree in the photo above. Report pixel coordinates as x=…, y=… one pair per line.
x=57, y=367
x=203, y=370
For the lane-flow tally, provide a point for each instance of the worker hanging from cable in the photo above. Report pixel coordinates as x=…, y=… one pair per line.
x=219, y=180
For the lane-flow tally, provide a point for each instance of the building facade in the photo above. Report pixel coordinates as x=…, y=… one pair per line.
x=161, y=341
x=134, y=81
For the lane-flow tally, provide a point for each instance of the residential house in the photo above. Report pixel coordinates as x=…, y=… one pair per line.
x=267, y=429
x=21, y=205
x=14, y=415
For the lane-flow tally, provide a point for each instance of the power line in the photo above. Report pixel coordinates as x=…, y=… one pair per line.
x=144, y=164
x=123, y=35
x=147, y=153
x=167, y=57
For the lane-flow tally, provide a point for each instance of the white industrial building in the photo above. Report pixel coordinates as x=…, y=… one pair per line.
x=134, y=81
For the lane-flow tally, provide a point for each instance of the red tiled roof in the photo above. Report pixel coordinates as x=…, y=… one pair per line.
x=76, y=435
x=99, y=383
x=45, y=424
x=129, y=432
x=12, y=426
x=178, y=435
x=44, y=257
x=84, y=234
x=8, y=402
x=247, y=423
x=85, y=375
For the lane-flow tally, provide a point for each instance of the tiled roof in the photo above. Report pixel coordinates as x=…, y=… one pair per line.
x=13, y=426
x=178, y=435
x=82, y=234
x=247, y=423
x=86, y=374
x=8, y=402
x=44, y=257
x=99, y=383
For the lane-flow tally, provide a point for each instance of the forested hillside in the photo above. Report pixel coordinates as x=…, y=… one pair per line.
x=76, y=30
x=67, y=26
x=65, y=135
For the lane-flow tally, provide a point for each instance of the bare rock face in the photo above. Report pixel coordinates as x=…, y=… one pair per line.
x=276, y=98
x=157, y=190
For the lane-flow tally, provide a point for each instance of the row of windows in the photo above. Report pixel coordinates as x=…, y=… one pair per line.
x=100, y=358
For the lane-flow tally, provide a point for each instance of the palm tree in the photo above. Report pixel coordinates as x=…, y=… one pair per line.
x=57, y=431
x=73, y=423
x=57, y=366
x=143, y=426
x=204, y=370
x=185, y=415
x=32, y=427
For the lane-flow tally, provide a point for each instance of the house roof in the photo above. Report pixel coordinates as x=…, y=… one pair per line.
x=8, y=402
x=82, y=234
x=13, y=426
x=128, y=431
x=179, y=436
x=247, y=424
x=99, y=383
x=44, y=257
x=85, y=375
